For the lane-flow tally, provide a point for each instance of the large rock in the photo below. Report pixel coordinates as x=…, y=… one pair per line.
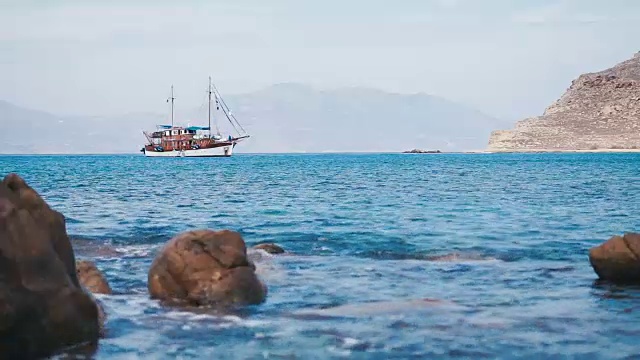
x=91, y=278
x=205, y=267
x=618, y=259
x=43, y=308
x=599, y=111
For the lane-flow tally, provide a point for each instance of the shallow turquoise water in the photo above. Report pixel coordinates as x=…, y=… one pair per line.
x=364, y=228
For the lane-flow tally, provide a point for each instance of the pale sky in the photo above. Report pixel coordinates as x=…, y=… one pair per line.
x=507, y=58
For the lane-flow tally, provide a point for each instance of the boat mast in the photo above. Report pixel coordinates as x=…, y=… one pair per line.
x=210, y=106
x=172, y=98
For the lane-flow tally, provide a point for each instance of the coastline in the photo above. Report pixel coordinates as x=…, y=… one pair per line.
x=349, y=217
x=492, y=151
x=502, y=151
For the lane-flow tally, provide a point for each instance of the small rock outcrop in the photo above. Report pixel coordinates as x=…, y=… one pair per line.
x=618, y=259
x=419, y=151
x=598, y=111
x=43, y=308
x=205, y=268
x=270, y=248
x=92, y=278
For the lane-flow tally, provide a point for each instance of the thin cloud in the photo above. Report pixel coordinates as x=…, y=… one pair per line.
x=448, y=3
x=556, y=13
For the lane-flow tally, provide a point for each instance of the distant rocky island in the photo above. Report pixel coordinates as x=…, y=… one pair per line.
x=419, y=151
x=599, y=112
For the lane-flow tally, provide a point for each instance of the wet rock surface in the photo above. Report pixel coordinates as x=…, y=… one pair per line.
x=205, y=268
x=270, y=248
x=618, y=259
x=92, y=278
x=43, y=308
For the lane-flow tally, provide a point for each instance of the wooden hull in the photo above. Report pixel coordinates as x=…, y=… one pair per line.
x=221, y=151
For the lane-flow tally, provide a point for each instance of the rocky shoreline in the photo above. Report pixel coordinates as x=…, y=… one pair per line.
x=46, y=291
x=533, y=151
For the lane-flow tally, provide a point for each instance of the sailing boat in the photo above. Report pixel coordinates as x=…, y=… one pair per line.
x=194, y=141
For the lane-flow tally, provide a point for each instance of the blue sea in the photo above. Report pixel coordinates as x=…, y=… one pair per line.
x=500, y=240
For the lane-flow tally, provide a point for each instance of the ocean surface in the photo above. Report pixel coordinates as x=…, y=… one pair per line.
x=500, y=239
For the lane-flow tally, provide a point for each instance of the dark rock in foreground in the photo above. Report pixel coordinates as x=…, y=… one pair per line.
x=91, y=278
x=43, y=308
x=418, y=151
x=618, y=259
x=270, y=248
x=205, y=267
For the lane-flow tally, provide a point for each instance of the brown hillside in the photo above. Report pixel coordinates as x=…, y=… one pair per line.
x=599, y=111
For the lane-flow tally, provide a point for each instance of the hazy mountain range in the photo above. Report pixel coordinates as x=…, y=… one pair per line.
x=281, y=118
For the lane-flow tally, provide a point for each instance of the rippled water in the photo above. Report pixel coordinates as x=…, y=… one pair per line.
x=501, y=239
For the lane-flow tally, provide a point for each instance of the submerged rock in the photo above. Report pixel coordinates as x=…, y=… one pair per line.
x=375, y=308
x=460, y=258
x=43, y=308
x=91, y=278
x=618, y=259
x=205, y=267
x=270, y=248
x=93, y=248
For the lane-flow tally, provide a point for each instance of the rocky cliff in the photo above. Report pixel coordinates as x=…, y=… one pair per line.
x=599, y=111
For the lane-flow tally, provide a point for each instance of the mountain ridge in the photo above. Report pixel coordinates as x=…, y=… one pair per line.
x=284, y=117
x=600, y=110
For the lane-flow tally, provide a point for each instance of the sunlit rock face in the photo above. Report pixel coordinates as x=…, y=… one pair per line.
x=599, y=111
